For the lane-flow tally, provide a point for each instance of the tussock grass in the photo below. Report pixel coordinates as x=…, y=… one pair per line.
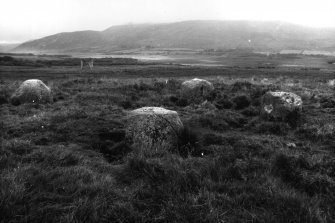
x=70, y=161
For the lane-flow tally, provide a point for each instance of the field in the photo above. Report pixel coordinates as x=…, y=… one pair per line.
x=69, y=161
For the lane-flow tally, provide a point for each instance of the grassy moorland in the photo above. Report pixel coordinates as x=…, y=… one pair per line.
x=69, y=161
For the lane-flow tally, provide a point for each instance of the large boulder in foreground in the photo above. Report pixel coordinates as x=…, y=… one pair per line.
x=281, y=105
x=32, y=91
x=196, y=90
x=154, y=129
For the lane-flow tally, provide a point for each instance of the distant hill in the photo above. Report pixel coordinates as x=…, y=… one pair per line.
x=189, y=34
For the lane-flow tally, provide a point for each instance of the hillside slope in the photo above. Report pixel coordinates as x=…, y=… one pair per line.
x=188, y=34
x=6, y=47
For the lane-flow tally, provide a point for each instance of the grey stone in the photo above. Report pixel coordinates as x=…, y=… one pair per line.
x=32, y=91
x=279, y=105
x=153, y=129
x=196, y=90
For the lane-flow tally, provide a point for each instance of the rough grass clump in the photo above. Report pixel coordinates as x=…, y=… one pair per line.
x=241, y=101
x=70, y=161
x=173, y=84
x=217, y=121
x=4, y=96
x=250, y=111
x=207, y=121
x=298, y=172
x=188, y=143
x=53, y=180
x=317, y=128
x=241, y=86
x=223, y=103
x=327, y=102
x=277, y=128
x=6, y=90
x=111, y=143
x=182, y=102
x=212, y=139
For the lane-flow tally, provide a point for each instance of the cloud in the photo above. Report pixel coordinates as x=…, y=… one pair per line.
x=23, y=20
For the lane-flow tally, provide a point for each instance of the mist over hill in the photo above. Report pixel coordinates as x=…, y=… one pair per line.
x=6, y=47
x=269, y=36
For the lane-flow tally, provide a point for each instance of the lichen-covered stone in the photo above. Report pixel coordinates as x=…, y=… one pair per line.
x=196, y=90
x=331, y=83
x=280, y=105
x=154, y=129
x=32, y=91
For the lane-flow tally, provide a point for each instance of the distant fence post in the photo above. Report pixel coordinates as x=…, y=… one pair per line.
x=89, y=64
x=81, y=65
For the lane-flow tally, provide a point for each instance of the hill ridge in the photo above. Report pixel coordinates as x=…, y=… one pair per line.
x=193, y=34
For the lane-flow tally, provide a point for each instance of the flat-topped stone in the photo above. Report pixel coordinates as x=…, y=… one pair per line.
x=153, y=110
x=196, y=82
x=196, y=90
x=153, y=129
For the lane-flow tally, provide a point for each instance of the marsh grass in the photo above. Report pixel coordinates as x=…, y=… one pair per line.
x=70, y=161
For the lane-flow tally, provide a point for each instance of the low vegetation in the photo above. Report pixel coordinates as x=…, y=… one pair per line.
x=61, y=61
x=69, y=161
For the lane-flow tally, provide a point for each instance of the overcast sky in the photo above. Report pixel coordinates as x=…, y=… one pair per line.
x=22, y=20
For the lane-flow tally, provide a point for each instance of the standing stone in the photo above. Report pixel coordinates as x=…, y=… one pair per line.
x=32, y=91
x=281, y=105
x=154, y=129
x=196, y=90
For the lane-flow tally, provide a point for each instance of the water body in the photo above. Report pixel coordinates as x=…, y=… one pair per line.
x=189, y=60
x=292, y=65
x=141, y=57
x=226, y=60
